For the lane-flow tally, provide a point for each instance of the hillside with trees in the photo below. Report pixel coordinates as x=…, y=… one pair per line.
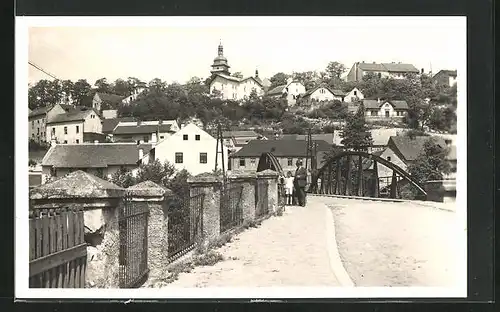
x=431, y=105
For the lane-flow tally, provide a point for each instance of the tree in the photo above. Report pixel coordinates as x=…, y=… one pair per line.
x=102, y=85
x=331, y=75
x=157, y=85
x=356, y=134
x=44, y=93
x=81, y=90
x=278, y=80
x=431, y=164
x=310, y=79
x=121, y=87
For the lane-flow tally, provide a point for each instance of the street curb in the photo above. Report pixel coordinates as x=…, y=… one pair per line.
x=333, y=252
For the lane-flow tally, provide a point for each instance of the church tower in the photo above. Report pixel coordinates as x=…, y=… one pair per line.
x=220, y=65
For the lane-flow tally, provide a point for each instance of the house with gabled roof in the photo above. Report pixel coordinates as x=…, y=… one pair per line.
x=354, y=95
x=445, y=77
x=144, y=131
x=382, y=109
x=290, y=91
x=68, y=128
x=382, y=70
x=286, y=151
x=99, y=159
x=322, y=93
x=37, y=119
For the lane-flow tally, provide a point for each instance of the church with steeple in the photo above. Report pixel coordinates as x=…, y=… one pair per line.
x=229, y=87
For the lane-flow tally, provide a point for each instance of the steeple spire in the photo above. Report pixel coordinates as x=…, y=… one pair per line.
x=221, y=48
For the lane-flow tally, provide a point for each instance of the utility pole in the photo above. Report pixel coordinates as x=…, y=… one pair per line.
x=220, y=142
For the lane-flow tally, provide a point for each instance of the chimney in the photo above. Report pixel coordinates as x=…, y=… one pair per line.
x=141, y=153
x=378, y=100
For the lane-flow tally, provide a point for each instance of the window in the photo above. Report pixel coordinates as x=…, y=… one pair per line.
x=388, y=158
x=197, y=137
x=252, y=161
x=355, y=93
x=203, y=158
x=379, y=75
x=161, y=136
x=100, y=172
x=185, y=137
x=38, y=121
x=37, y=131
x=242, y=162
x=65, y=141
x=32, y=123
x=146, y=139
x=386, y=114
x=77, y=141
x=374, y=113
x=179, y=158
x=77, y=129
x=53, y=131
x=65, y=130
x=290, y=162
x=53, y=172
x=32, y=135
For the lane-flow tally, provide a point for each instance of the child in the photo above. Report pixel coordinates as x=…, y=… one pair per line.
x=289, y=188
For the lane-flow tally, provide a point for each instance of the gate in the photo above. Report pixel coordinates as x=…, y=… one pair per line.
x=58, y=252
x=185, y=222
x=133, y=232
x=261, y=198
x=231, y=210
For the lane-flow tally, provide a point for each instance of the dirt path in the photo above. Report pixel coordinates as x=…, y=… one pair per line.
x=395, y=244
x=289, y=250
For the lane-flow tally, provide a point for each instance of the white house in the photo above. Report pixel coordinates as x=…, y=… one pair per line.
x=291, y=90
x=190, y=148
x=354, y=95
x=229, y=87
x=69, y=128
x=233, y=88
x=323, y=93
x=378, y=109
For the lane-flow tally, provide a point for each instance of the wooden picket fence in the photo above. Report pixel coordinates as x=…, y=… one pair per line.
x=58, y=252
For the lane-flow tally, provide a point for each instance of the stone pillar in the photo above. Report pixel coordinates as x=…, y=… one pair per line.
x=248, y=181
x=100, y=200
x=152, y=197
x=210, y=185
x=272, y=188
x=441, y=190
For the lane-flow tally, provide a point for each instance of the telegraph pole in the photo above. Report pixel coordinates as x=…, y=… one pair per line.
x=220, y=142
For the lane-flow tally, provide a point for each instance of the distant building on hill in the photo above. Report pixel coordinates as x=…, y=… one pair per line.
x=382, y=70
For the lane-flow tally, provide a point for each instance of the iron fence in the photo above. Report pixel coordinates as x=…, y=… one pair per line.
x=231, y=210
x=133, y=235
x=185, y=224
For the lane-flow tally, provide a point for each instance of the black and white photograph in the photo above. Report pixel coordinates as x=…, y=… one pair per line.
x=241, y=157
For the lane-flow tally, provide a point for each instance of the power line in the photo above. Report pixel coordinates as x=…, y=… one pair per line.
x=42, y=70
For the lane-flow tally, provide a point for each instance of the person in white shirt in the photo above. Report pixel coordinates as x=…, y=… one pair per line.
x=289, y=188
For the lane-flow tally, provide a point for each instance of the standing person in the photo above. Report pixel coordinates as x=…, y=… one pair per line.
x=289, y=188
x=300, y=183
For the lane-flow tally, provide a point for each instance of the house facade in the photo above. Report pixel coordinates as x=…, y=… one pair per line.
x=139, y=89
x=144, y=131
x=229, y=87
x=384, y=110
x=69, y=128
x=322, y=93
x=291, y=91
x=37, y=121
x=382, y=70
x=99, y=159
x=235, y=140
x=287, y=152
x=446, y=77
x=353, y=96
x=190, y=148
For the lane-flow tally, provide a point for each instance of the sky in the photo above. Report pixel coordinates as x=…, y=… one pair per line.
x=176, y=49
